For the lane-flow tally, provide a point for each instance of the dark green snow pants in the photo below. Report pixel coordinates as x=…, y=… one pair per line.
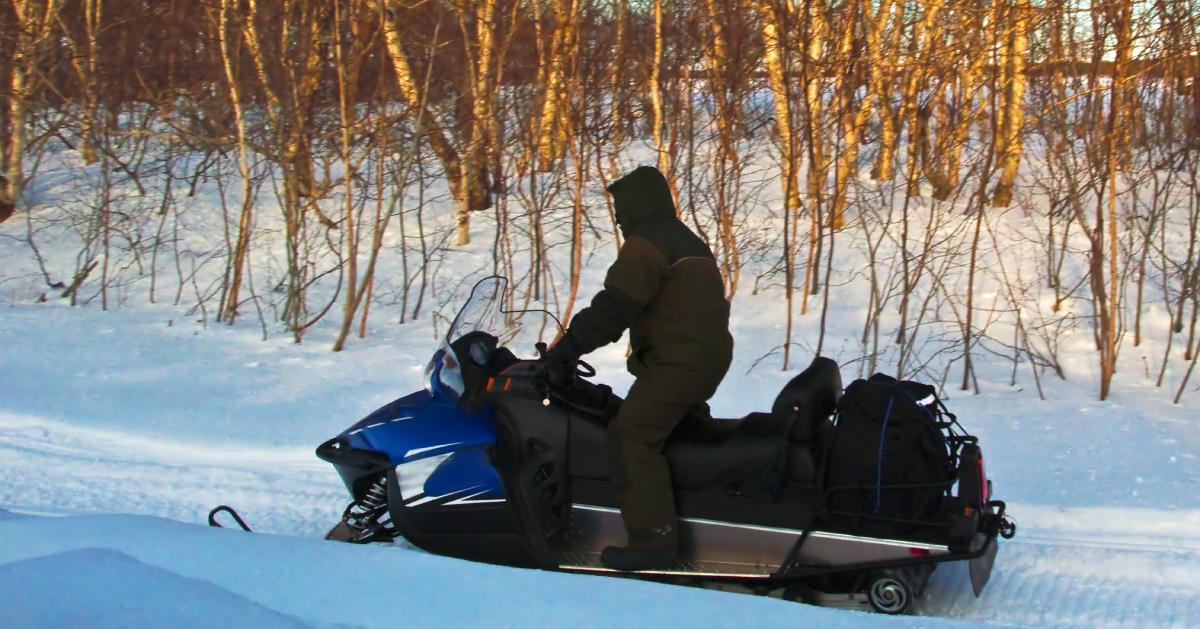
x=640, y=474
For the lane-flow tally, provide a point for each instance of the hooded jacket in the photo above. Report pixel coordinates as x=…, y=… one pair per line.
x=665, y=288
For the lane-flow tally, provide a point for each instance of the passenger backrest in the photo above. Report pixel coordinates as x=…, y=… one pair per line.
x=809, y=399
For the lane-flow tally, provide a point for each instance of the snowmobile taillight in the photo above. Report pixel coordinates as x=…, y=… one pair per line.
x=983, y=481
x=919, y=552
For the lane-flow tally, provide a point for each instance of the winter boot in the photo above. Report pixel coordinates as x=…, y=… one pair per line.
x=646, y=550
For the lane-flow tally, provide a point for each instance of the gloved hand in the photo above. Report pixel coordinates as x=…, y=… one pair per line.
x=561, y=361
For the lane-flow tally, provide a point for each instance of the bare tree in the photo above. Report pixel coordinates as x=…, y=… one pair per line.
x=33, y=23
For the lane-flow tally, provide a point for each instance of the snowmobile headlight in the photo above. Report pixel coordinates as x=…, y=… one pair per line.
x=443, y=376
x=450, y=377
x=431, y=368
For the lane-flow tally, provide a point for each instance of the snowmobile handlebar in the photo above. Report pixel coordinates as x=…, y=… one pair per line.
x=583, y=369
x=545, y=385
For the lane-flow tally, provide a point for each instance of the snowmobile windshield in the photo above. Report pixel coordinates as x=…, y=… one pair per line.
x=490, y=309
x=487, y=311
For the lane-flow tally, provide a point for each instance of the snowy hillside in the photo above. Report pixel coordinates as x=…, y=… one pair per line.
x=119, y=429
x=143, y=571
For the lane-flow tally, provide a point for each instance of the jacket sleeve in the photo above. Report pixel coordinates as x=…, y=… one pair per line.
x=630, y=285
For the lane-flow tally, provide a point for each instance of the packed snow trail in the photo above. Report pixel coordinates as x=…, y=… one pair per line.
x=49, y=467
x=1046, y=579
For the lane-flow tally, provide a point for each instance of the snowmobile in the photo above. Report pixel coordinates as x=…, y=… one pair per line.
x=489, y=462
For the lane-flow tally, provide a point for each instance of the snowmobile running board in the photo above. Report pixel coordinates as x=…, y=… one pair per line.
x=582, y=557
x=813, y=553
x=590, y=562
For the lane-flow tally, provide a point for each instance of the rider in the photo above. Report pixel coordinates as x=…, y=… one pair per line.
x=666, y=289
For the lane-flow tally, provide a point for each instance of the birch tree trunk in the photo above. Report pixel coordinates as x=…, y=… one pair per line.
x=552, y=134
x=92, y=19
x=615, y=91
x=483, y=84
x=727, y=113
x=883, y=82
x=854, y=118
x=1016, y=43
x=1121, y=17
x=815, y=29
x=916, y=73
x=83, y=60
x=775, y=47
x=656, y=92
x=483, y=53
x=14, y=158
x=34, y=22
x=813, y=85
x=8, y=43
x=346, y=76
x=289, y=85
x=242, y=246
x=435, y=134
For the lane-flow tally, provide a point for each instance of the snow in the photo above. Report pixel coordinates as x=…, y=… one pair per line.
x=121, y=570
x=100, y=587
x=120, y=429
x=1105, y=495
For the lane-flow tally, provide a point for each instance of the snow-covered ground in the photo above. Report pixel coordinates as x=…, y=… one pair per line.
x=122, y=413
x=119, y=430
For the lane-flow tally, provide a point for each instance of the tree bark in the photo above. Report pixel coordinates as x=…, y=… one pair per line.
x=775, y=47
x=656, y=97
x=242, y=245
x=1016, y=44
x=854, y=117
x=774, y=33
x=1121, y=18
x=463, y=191
x=33, y=26
x=552, y=134
x=910, y=112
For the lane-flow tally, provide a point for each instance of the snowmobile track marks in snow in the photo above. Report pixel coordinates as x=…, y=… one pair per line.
x=1078, y=582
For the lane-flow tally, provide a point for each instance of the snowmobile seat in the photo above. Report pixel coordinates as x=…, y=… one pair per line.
x=754, y=447
x=804, y=405
x=705, y=451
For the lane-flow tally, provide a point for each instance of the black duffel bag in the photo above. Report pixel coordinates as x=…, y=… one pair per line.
x=893, y=454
